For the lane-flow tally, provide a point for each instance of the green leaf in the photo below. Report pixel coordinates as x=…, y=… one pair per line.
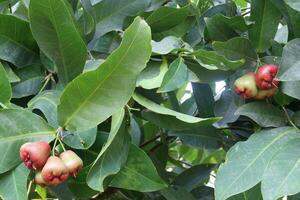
x=291, y=16
x=166, y=45
x=152, y=76
x=264, y=114
x=27, y=87
x=236, y=49
x=47, y=102
x=110, y=14
x=291, y=88
x=211, y=60
x=138, y=173
x=81, y=140
x=193, y=177
x=16, y=42
x=16, y=128
x=177, y=194
x=253, y=193
x=281, y=175
x=204, y=98
x=200, y=138
x=165, y=18
x=95, y=95
x=55, y=31
x=175, y=77
x=11, y=75
x=180, y=121
x=295, y=4
x=289, y=66
x=248, y=161
x=112, y=156
x=266, y=18
x=218, y=28
x=13, y=184
x=5, y=88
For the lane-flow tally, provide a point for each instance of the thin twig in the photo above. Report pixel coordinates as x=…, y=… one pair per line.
x=149, y=141
x=288, y=117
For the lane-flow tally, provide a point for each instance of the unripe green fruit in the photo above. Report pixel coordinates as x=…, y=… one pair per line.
x=38, y=179
x=245, y=86
x=72, y=161
x=263, y=94
x=55, y=171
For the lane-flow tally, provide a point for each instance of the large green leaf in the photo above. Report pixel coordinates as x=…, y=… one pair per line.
x=281, y=176
x=16, y=128
x=266, y=18
x=248, y=161
x=291, y=88
x=111, y=14
x=265, y=114
x=95, y=95
x=138, y=173
x=16, y=42
x=112, y=156
x=27, y=87
x=55, y=31
x=160, y=114
x=175, y=77
x=236, y=49
x=5, y=88
x=13, y=184
x=290, y=63
x=177, y=193
x=253, y=193
x=165, y=18
x=212, y=60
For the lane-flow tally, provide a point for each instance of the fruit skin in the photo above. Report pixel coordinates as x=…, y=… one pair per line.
x=265, y=77
x=245, y=86
x=72, y=161
x=263, y=94
x=35, y=155
x=38, y=179
x=55, y=171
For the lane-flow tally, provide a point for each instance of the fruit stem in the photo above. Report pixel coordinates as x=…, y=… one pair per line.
x=53, y=149
x=288, y=118
x=47, y=79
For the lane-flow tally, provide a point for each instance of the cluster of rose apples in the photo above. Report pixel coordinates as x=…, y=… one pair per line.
x=50, y=170
x=260, y=85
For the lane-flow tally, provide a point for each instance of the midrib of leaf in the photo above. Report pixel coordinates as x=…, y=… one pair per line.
x=58, y=38
x=15, y=184
x=255, y=159
x=26, y=135
x=262, y=22
x=100, y=84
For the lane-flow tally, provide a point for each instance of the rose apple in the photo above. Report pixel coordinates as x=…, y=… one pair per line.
x=55, y=171
x=72, y=161
x=265, y=77
x=35, y=155
x=245, y=86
